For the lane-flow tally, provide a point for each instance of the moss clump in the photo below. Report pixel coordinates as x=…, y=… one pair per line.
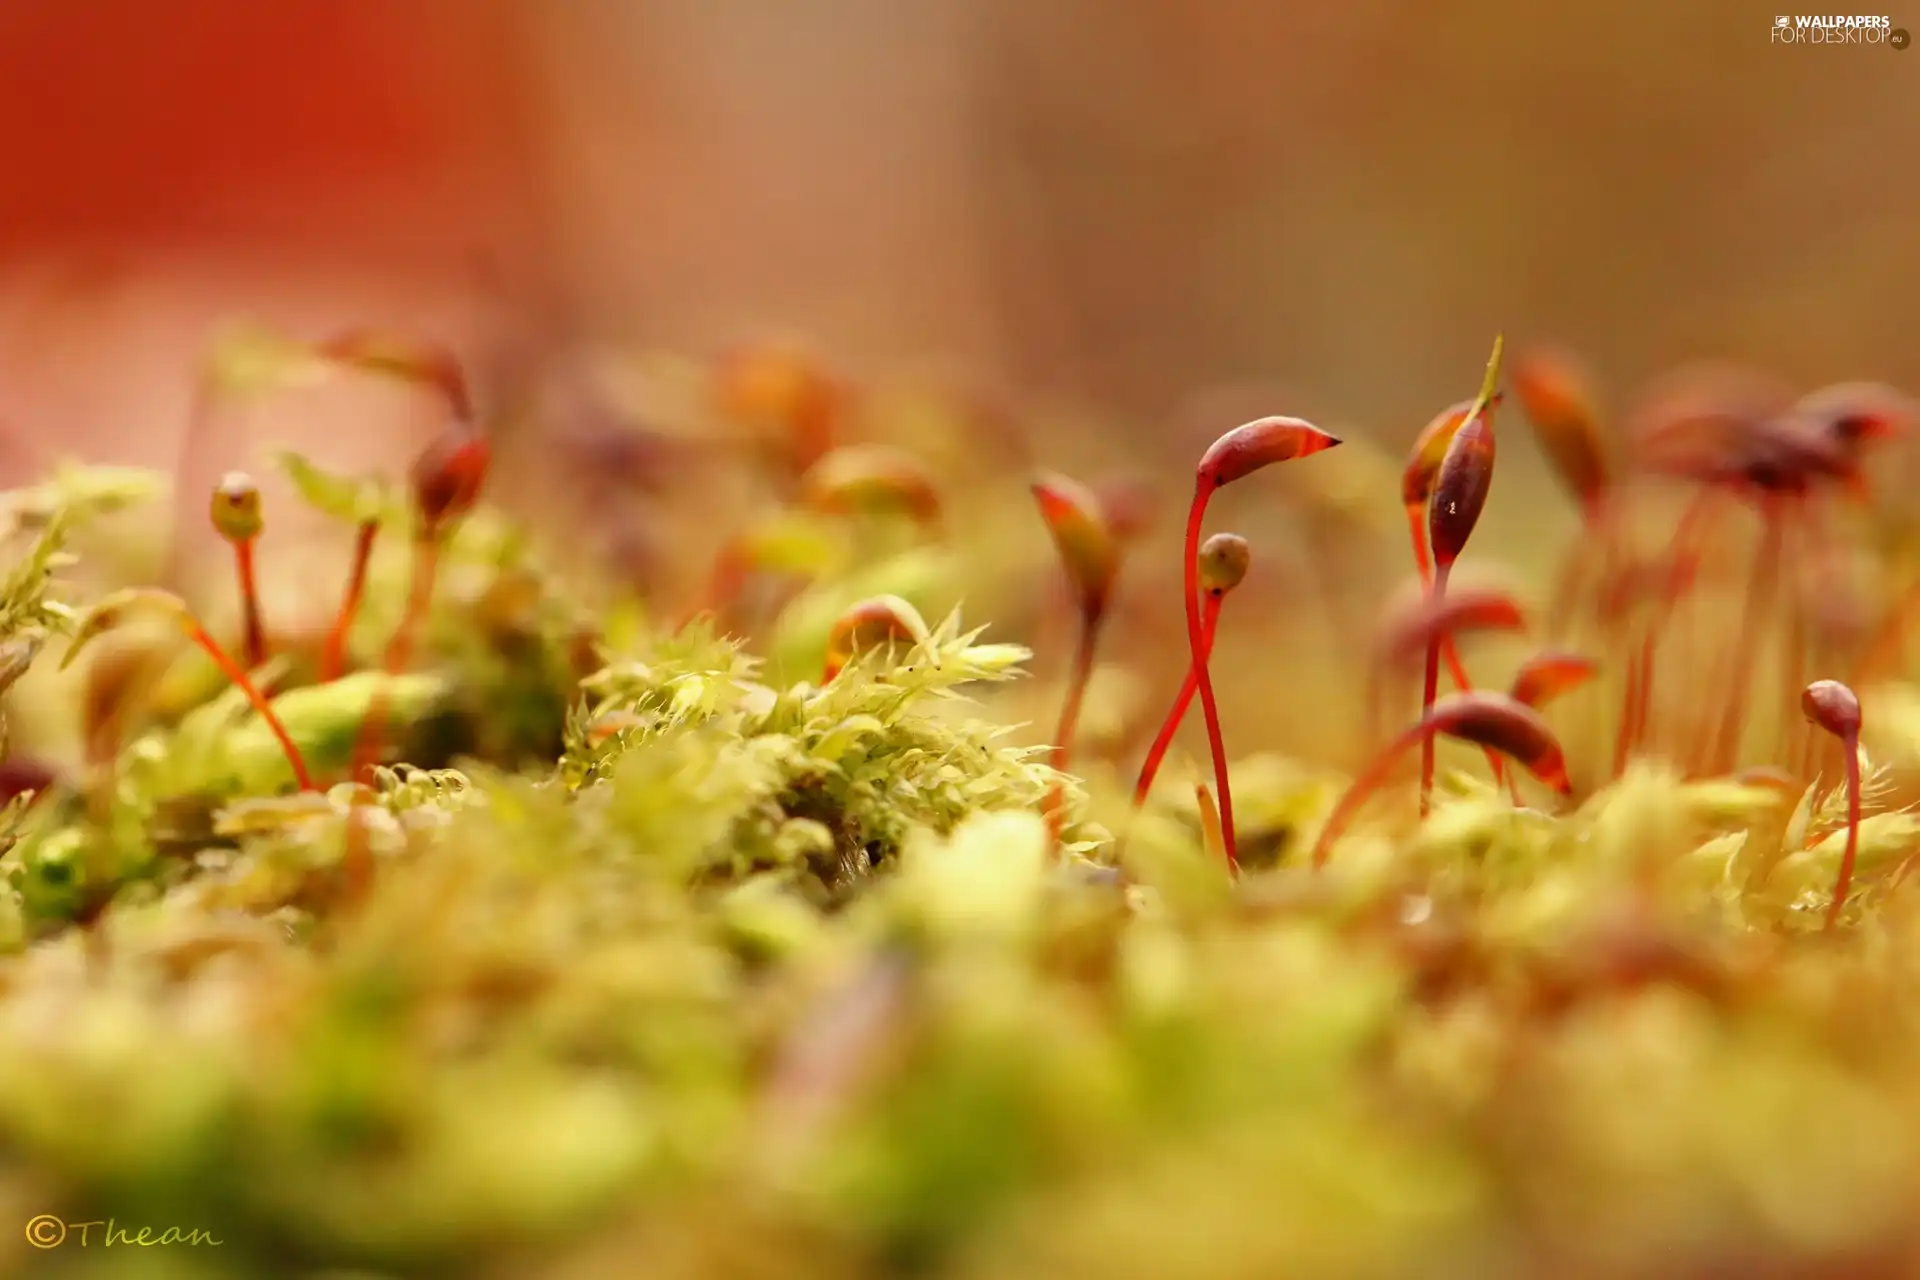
x=646, y=955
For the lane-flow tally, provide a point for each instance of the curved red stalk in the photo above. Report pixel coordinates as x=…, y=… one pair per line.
x=333, y=658
x=231, y=669
x=1157, y=753
x=1197, y=651
x=1237, y=454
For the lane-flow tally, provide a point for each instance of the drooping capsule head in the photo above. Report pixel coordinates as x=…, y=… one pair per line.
x=1224, y=560
x=1260, y=443
x=1550, y=674
x=410, y=359
x=869, y=479
x=1422, y=620
x=871, y=623
x=1557, y=395
x=1460, y=490
x=1499, y=722
x=448, y=476
x=235, y=507
x=1078, y=524
x=1855, y=413
x=1702, y=422
x=1832, y=706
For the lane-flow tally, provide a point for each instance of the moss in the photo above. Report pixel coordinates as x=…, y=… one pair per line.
x=672, y=960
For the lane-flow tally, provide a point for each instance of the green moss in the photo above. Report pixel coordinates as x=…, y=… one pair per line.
x=674, y=961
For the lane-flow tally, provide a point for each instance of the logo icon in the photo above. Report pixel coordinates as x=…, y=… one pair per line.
x=1782, y=20
x=1899, y=38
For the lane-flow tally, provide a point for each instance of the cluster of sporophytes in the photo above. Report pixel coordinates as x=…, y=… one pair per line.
x=511, y=927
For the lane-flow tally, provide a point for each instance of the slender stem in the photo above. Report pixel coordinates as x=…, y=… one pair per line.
x=1851, y=742
x=1637, y=662
x=250, y=605
x=1449, y=650
x=1794, y=664
x=1157, y=753
x=426, y=562
x=1077, y=681
x=1417, y=525
x=1365, y=785
x=1430, y=690
x=426, y=554
x=1766, y=567
x=1666, y=603
x=333, y=659
x=231, y=669
x=1197, y=650
x=1592, y=551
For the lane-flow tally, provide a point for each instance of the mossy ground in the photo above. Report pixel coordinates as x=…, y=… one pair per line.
x=675, y=963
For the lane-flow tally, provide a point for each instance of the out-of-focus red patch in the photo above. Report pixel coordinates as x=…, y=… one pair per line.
x=236, y=117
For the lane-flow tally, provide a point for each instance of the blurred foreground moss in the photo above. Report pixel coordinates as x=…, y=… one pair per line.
x=675, y=963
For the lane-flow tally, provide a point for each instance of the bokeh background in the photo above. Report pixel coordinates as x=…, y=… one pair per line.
x=1120, y=207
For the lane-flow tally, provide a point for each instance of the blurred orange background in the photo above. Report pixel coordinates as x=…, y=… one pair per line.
x=1120, y=201
x=1118, y=204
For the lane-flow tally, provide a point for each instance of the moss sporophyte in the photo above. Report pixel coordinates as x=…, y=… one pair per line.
x=508, y=909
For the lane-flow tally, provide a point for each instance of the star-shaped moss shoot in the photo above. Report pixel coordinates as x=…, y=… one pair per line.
x=873, y=623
